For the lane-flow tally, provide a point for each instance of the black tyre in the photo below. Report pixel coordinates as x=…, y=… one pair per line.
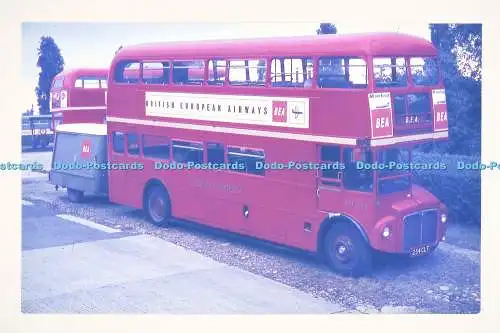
x=157, y=205
x=346, y=251
x=75, y=195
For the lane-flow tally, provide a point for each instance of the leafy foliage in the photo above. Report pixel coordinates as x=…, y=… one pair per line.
x=51, y=63
x=460, y=47
x=326, y=29
x=458, y=189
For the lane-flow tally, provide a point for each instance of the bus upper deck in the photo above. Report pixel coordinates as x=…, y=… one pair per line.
x=79, y=95
x=383, y=87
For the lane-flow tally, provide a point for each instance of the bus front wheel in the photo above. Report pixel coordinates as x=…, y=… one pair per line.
x=157, y=205
x=346, y=250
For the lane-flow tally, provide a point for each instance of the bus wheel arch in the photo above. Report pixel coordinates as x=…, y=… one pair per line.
x=156, y=202
x=344, y=246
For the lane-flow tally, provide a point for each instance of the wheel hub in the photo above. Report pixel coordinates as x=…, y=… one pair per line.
x=157, y=206
x=344, y=249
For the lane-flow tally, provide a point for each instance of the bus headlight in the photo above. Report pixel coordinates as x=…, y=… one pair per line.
x=443, y=218
x=386, y=232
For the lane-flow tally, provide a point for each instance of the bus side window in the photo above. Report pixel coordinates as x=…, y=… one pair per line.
x=251, y=72
x=190, y=72
x=132, y=144
x=127, y=72
x=216, y=72
x=291, y=72
x=330, y=155
x=155, y=146
x=354, y=178
x=118, y=142
x=185, y=151
x=156, y=72
x=248, y=158
x=342, y=72
x=215, y=152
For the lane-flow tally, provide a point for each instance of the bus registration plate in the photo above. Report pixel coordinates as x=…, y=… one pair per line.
x=420, y=251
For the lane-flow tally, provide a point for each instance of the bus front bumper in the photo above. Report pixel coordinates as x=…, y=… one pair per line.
x=416, y=234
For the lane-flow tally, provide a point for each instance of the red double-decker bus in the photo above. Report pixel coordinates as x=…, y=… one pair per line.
x=290, y=140
x=79, y=96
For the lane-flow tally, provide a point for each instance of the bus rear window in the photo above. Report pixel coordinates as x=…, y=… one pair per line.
x=424, y=71
x=89, y=82
x=390, y=72
x=342, y=72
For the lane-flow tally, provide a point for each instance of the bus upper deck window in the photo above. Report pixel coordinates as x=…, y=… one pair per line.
x=390, y=71
x=127, y=72
x=190, y=72
x=156, y=72
x=424, y=71
x=342, y=72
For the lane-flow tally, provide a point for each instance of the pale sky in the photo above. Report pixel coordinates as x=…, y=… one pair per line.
x=94, y=44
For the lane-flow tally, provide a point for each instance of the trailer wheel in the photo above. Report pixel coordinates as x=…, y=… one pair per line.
x=157, y=205
x=346, y=250
x=75, y=195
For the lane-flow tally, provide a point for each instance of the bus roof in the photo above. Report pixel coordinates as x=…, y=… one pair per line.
x=376, y=44
x=76, y=72
x=83, y=128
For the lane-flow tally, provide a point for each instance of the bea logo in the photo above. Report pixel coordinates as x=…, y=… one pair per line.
x=85, y=153
x=382, y=122
x=279, y=111
x=441, y=116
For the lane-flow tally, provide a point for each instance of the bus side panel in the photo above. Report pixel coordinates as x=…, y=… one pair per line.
x=84, y=116
x=87, y=97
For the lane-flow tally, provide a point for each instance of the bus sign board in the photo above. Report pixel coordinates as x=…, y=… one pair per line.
x=258, y=110
x=440, y=110
x=381, y=114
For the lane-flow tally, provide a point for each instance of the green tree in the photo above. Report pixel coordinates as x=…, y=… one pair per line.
x=460, y=56
x=326, y=29
x=51, y=63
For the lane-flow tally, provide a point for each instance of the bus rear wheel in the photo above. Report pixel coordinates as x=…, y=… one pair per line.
x=346, y=251
x=157, y=205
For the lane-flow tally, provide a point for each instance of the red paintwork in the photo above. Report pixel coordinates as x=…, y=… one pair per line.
x=81, y=97
x=283, y=200
x=150, y=73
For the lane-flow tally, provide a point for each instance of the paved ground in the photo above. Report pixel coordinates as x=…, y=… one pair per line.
x=446, y=282
x=42, y=156
x=72, y=265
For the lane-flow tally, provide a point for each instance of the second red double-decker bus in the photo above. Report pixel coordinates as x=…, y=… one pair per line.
x=302, y=141
x=79, y=96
